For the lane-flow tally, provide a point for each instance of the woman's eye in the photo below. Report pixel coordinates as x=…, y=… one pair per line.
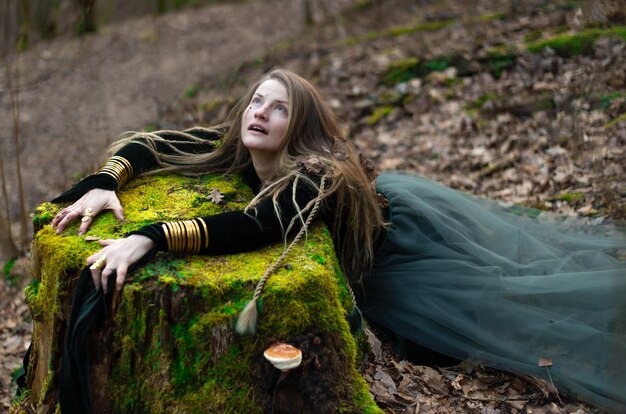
x=255, y=102
x=280, y=108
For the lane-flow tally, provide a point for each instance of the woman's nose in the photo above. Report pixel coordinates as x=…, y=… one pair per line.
x=261, y=112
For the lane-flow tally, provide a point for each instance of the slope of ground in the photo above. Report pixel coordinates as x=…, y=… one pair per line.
x=464, y=95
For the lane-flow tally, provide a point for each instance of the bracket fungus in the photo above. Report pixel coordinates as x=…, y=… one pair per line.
x=283, y=356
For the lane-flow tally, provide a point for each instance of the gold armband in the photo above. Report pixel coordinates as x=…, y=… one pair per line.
x=187, y=236
x=119, y=168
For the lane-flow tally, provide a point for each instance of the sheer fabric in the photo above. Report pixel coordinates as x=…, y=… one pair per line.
x=472, y=279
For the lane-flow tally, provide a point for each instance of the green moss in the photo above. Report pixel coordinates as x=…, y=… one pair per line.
x=491, y=16
x=401, y=70
x=576, y=44
x=422, y=27
x=438, y=64
x=497, y=64
x=399, y=31
x=192, y=91
x=175, y=348
x=478, y=103
x=31, y=292
x=151, y=127
x=533, y=35
x=393, y=98
x=6, y=270
x=613, y=122
x=495, y=61
x=569, y=197
x=378, y=114
x=361, y=5
x=605, y=100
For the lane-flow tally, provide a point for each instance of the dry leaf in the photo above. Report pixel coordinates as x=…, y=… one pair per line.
x=385, y=380
x=216, y=197
x=340, y=151
x=311, y=163
x=368, y=167
x=375, y=344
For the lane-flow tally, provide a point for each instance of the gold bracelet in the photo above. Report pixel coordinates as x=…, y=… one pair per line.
x=192, y=241
x=197, y=240
x=186, y=236
x=178, y=237
x=168, y=238
x=119, y=168
x=206, y=233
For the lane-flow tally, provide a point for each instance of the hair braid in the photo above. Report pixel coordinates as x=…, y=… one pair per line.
x=246, y=323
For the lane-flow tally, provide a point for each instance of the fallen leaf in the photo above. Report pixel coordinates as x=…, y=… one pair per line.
x=385, y=380
x=375, y=344
x=340, y=152
x=216, y=197
x=311, y=164
x=368, y=167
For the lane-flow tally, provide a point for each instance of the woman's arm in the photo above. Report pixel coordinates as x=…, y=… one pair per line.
x=97, y=192
x=134, y=158
x=236, y=231
x=224, y=233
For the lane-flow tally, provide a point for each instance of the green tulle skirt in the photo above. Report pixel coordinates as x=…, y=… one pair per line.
x=505, y=286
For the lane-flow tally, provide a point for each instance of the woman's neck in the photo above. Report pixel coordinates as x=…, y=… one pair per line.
x=264, y=165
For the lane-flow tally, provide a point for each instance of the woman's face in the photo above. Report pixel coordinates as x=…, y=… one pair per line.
x=265, y=120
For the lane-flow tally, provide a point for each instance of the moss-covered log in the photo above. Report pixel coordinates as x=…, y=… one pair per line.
x=168, y=345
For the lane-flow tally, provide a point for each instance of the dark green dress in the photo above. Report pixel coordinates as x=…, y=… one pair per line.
x=470, y=278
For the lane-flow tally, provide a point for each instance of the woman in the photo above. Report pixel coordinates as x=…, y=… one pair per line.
x=451, y=272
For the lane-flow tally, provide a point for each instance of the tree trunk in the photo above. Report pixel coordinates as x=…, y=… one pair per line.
x=168, y=345
x=8, y=250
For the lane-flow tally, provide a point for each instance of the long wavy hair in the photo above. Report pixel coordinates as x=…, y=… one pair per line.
x=313, y=135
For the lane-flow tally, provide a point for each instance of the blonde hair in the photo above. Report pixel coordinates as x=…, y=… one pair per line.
x=313, y=132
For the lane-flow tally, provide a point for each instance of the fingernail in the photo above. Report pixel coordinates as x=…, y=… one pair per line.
x=80, y=233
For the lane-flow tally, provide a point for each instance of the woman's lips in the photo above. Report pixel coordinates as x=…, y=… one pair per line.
x=257, y=128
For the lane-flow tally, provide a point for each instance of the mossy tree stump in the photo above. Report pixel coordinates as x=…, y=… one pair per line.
x=168, y=345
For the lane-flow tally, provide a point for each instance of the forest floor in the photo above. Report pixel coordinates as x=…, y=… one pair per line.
x=465, y=95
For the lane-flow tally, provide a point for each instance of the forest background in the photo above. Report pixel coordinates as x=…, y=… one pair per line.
x=521, y=101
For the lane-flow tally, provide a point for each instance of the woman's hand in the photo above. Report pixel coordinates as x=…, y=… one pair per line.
x=88, y=207
x=119, y=255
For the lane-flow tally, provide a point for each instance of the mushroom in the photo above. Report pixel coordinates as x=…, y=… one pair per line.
x=283, y=356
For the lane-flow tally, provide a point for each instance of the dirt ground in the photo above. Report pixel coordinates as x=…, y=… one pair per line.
x=481, y=132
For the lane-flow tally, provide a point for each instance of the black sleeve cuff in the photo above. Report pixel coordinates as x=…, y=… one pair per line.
x=155, y=233
x=102, y=181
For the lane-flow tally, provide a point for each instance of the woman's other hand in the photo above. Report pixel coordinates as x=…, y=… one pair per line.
x=87, y=208
x=119, y=255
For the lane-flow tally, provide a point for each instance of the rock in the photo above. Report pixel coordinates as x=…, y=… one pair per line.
x=168, y=345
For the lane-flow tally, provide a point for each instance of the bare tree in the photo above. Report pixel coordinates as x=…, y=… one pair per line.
x=8, y=249
x=15, y=106
x=88, y=16
x=7, y=244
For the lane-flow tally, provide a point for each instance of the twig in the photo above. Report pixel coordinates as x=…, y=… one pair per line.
x=526, y=397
